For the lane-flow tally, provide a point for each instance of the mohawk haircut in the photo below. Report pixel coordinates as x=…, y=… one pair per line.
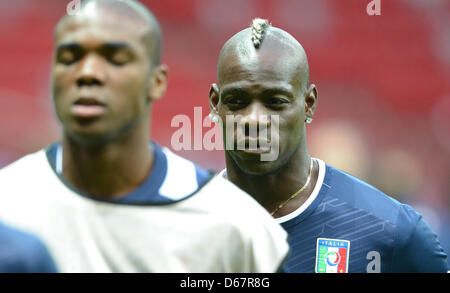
x=259, y=27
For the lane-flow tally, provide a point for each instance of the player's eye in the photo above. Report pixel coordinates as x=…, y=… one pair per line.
x=67, y=57
x=119, y=58
x=235, y=102
x=277, y=102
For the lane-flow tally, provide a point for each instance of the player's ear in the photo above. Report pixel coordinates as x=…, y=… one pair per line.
x=214, y=99
x=310, y=101
x=158, y=82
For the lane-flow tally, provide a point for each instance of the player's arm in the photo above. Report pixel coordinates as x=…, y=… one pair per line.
x=420, y=250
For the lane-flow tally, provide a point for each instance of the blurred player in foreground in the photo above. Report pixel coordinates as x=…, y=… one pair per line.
x=336, y=222
x=22, y=252
x=105, y=199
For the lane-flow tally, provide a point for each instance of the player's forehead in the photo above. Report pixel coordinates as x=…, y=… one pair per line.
x=258, y=71
x=280, y=59
x=99, y=26
x=252, y=76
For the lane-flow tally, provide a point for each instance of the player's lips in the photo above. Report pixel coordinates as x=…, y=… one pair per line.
x=87, y=107
x=250, y=155
x=253, y=145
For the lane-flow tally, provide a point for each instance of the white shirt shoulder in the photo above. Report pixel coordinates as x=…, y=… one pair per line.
x=25, y=165
x=219, y=228
x=253, y=227
x=180, y=179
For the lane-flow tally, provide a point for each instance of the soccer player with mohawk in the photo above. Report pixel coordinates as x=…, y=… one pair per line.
x=336, y=222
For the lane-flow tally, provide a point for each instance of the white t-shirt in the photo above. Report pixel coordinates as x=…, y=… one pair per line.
x=217, y=228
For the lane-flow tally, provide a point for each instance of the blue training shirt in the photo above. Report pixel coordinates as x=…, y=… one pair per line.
x=22, y=252
x=346, y=225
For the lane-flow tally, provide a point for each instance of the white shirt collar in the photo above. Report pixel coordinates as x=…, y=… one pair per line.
x=310, y=199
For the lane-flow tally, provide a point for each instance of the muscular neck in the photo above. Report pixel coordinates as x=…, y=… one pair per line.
x=274, y=188
x=111, y=169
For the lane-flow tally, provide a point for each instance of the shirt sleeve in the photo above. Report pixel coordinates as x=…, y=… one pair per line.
x=418, y=250
x=42, y=262
x=22, y=252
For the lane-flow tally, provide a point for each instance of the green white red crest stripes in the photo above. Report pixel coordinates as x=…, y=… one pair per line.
x=332, y=255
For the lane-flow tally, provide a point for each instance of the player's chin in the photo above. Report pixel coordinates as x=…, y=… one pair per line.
x=87, y=125
x=253, y=164
x=88, y=132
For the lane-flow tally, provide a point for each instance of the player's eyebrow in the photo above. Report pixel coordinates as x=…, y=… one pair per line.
x=68, y=46
x=115, y=46
x=238, y=91
x=109, y=46
x=277, y=91
x=234, y=91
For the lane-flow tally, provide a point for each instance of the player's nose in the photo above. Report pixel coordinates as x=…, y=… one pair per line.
x=255, y=119
x=91, y=71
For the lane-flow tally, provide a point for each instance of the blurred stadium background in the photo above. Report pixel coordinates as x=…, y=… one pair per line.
x=383, y=83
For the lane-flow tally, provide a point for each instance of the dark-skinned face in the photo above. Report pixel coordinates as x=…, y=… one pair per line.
x=100, y=76
x=253, y=88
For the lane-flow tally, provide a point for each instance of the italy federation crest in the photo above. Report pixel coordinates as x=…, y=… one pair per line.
x=332, y=255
